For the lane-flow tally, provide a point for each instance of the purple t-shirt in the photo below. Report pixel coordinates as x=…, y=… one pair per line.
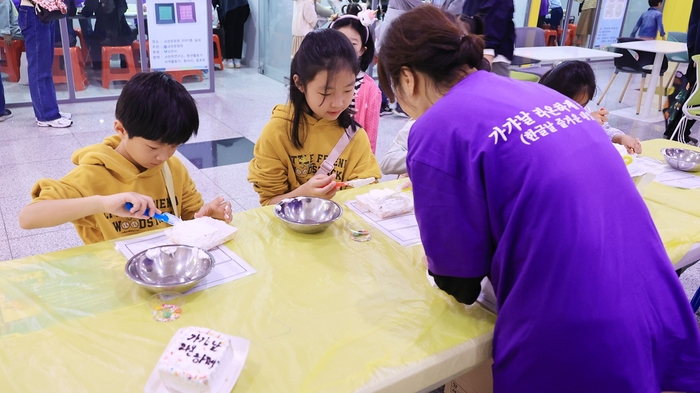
x=515, y=181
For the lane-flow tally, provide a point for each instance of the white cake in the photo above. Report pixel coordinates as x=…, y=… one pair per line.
x=386, y=202
x=197, y=360
x=205, y=232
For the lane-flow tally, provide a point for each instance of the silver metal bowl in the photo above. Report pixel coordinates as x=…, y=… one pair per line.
x=175, y=268
x=682, y=159
x=308, y=214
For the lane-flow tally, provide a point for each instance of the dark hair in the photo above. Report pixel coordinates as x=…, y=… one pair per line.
x=654, y=3
x=156, y=107
x=571, y=78
x=365, y=36
x=351, y=9
x=425, y=39
x=321, y=50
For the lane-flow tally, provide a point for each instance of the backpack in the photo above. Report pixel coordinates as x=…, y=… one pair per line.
x=673, y=108
x=49, y=10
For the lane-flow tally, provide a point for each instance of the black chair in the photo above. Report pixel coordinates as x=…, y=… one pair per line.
x=627, y=63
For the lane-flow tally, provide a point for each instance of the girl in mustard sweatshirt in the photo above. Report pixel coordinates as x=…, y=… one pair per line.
x=301, y=134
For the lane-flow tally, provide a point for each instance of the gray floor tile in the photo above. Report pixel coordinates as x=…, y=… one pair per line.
x=10, y=208
x=18, y=179
x=43, y=243
x=22, y=151
x=232, y=179
x=5, y=254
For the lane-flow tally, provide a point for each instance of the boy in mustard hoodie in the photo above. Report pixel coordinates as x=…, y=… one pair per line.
x=154, y=115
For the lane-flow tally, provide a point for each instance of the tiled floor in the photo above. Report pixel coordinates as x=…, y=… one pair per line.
x=239, y=109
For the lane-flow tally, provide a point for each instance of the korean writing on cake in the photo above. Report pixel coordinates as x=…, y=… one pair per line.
x=540, y=122
x=205, y=343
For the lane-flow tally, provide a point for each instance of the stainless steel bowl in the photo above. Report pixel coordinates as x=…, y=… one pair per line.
x=308, y=214
x=174, y=268
x=682, y=159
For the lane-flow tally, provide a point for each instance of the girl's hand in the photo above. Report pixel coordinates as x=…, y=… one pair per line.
x=601, y=116
x=115, y=204
x=322, y=186
x=632, y=144
x=219, y=208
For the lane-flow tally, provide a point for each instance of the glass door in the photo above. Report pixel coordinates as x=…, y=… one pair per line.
x=276, y=38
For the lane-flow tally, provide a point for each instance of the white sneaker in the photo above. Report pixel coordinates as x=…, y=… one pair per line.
x=58, y=123
x=228, y=63
x=5, y=115
x=236, y=63
x=66, y=115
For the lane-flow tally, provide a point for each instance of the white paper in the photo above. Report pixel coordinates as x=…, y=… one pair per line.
x=228, y=266
x=679, y=179
x=643, y=165
x=403, y=229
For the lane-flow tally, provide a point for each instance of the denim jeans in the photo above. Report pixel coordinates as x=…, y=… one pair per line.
x=39, y=41
x=2, y=98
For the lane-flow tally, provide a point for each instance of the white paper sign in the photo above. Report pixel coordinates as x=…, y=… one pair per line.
x=178, y=33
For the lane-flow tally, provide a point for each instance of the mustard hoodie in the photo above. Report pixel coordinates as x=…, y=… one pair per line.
x=278, y=167
x=102, y=171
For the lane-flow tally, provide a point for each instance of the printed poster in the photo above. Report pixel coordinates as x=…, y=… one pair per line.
x=178, y=33
x=612, y=14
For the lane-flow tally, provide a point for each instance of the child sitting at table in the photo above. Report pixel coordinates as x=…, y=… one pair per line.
x=292, y=155
x=576, y=80
x=154, y=115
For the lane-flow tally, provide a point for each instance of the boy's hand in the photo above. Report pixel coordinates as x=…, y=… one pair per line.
x=632, y=144
x=322, y=186
x=114, y=204
x=218, y=208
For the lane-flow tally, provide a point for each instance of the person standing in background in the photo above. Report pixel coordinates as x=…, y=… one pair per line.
x=304, y=20
x=650, y=23
x=39, y=41
x=585, y=22
x=499, y=30
x=235, y=13
x=556, y=14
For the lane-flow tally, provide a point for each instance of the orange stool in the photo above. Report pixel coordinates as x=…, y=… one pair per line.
x=11, y=58
x=180, y=75
x=218, y=57
x=83, y=46
x=570, y=34
x=136, y=48
x=550, y=37
x=110, y=74
x=59, y=73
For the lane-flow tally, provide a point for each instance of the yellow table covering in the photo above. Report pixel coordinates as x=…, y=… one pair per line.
x=323, y=313
x=676, y=212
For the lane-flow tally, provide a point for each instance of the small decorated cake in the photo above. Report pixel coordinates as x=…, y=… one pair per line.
x=196, y=360
x=205, y=232
x=386, y=202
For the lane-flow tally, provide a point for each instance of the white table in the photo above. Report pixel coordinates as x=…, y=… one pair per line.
x=661, y=48
x=557, y=54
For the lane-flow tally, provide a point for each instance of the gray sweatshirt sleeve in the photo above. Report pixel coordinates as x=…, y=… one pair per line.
x=394, y=161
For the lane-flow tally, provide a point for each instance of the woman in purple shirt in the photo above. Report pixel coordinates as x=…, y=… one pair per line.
x=518, y=183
